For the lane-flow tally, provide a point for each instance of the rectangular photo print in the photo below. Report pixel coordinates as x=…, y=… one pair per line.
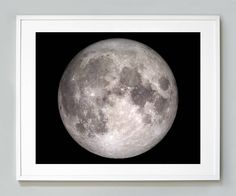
x=118, y=98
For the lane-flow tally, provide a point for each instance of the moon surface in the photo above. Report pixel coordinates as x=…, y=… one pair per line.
x=118, y=98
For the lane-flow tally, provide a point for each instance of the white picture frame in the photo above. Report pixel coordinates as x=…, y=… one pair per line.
x=28, y=170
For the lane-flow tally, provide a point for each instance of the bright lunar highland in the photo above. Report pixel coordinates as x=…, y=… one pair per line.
x=118, y=98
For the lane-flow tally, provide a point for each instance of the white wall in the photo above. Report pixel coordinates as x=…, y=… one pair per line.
x=9, y=8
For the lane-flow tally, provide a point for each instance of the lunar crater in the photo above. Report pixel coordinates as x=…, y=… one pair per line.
x=164, y=83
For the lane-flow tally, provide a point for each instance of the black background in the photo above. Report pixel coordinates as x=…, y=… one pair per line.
x=181, y=51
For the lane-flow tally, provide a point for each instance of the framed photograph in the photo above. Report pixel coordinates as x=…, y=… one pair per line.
x=118, y=98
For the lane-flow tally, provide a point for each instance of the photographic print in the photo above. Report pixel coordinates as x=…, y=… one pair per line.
x=118, y=97
x=104, y=101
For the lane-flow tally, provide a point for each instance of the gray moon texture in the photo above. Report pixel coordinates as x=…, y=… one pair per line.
x=118, y=98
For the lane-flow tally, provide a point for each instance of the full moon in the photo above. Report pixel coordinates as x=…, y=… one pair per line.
x=118, y=98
